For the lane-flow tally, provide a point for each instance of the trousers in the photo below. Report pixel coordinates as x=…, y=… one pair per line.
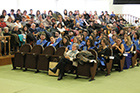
x=62, y=63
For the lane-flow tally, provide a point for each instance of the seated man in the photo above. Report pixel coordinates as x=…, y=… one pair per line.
x=68, y=59
x=41, y=28
x=53, y=42
x=58, y=36
x=42, y=40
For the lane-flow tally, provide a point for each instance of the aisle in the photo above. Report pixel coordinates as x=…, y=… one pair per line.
x=17, y=81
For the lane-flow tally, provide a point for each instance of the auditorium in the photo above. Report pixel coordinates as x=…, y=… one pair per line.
x=69, y=46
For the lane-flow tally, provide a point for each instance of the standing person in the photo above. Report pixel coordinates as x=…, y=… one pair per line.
x=103, y=53
x=118, y=48
x=128, y=48
x=69, y=56
x=137, y=43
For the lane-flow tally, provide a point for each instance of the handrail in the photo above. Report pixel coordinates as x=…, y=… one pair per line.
x=3, y=39
x=129, y=18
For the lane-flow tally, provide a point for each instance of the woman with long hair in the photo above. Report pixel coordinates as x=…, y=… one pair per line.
x=65, y=42
x=128, y=45
x=104, y=53
x=89, y=45
x=118, y=48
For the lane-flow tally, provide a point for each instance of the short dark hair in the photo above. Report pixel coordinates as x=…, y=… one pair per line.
x=2, y=16
x=12, y=10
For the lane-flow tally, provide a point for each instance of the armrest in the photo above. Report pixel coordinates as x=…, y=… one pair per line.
x=56, y=56
x=125, y=54
x=111, y=57
x=133, y=52
x=46, y=55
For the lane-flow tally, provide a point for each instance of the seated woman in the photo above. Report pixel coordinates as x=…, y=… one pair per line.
x=112, y=39
x=82, y=40
x=89, y=45
x=78, y=27
x=9, y=23
x=103, y=53
x=60, y=28
x=68, y=59
x=75, y=40
x=128, y=47
x=65, y=42
x=135, y=37
x=118, y=48
x=42, y=40
x=137, y=43
x=25, y=30
x=32, y=29
x=18, y=23
x=16, y=30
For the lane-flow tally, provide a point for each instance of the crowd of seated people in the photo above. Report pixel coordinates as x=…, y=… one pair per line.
x=89, y=31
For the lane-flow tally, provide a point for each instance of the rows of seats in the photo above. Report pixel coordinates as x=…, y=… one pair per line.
x=38, y=58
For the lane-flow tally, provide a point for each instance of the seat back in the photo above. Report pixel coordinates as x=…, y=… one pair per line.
x=94, y=53
x=49, y=50
x=37, y=49
x=111, y=52
x=60, y=51
x=26, y=48
x=134, y=48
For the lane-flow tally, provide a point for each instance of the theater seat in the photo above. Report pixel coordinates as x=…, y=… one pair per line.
x=32, y=57
x=43, y=59
x=109, y=64
x=88, y=69
x=19, y=59
x=58, y=54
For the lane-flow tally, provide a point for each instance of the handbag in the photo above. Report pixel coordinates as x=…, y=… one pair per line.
x=52, y=65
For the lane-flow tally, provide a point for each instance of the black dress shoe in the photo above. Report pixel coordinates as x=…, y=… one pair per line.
x=60, y=77
x=53, y=70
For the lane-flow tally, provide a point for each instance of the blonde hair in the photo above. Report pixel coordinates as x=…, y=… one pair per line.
x=128, y=40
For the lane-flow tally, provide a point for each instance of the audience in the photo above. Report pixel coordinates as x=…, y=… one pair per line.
x=87, y=31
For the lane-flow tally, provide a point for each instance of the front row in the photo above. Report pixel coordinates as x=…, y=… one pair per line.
x=83, y=63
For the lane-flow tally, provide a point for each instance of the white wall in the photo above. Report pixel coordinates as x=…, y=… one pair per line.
x=60, y=5
x=132, y=9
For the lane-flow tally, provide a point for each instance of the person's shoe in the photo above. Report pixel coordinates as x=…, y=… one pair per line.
x=60, y=77
x=53, y=70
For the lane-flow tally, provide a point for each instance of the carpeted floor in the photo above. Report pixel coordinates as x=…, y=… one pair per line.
x=17, y=81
